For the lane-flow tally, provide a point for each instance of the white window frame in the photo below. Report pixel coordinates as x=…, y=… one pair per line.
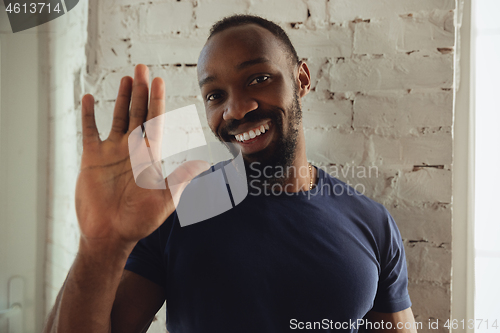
x=462, y=289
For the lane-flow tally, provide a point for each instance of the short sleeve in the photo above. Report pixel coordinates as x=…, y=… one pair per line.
x=392, y=292
x=147, y=257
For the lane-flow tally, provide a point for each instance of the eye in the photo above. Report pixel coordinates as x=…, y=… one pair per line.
x=259, y=79
x=213, y=97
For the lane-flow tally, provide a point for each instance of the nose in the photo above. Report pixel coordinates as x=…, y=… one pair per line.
x=238, y=105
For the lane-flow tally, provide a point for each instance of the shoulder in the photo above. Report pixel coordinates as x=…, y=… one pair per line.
x=350, y=195
x=368, y=214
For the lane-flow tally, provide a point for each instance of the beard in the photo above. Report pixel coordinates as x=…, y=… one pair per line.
x=270, y=166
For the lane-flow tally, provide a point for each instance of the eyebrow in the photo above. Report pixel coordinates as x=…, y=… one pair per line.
x=239, y=67
x=252, y=62
x=206, y=80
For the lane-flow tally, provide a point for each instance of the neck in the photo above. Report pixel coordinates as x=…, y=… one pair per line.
x=300, y=180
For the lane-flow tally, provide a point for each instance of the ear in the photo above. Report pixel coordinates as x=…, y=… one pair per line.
x=303, y=79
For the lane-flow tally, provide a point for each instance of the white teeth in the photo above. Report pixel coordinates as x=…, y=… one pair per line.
x=252, y=133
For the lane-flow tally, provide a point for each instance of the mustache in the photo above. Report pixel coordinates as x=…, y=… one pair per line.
x=250, y=117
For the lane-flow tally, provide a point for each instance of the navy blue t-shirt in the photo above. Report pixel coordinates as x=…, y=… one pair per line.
x=275, y=263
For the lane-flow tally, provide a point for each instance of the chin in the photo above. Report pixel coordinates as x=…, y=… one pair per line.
x=264, y=157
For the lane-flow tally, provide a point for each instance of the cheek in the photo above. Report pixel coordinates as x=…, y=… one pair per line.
x=279, y=95
x=214, y=119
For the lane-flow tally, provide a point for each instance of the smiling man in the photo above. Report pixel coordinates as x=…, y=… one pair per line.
x=251, y=81
x=305, y=258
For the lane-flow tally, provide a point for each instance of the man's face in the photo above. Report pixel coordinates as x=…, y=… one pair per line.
x=249, y=88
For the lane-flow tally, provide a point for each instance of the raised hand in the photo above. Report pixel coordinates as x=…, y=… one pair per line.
x=110, y=207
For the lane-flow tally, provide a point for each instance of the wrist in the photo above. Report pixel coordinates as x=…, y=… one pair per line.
x=105, y=250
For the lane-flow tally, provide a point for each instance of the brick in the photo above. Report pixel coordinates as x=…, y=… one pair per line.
x=165, y=18
x=315, y=65
x=326, y=113
x=334, y=146
x=387, y=73
x=425, y=185
x=160, y=50
x=280, y=10
x=209, y=11
x=432, y=148
x=118, y=22
x=386, y=150
x=114, y=53
x=428, y=263
x=179, y=81
x=422, y=31
x=107, y=87
x=430, y=221
x=379, y=36
x=333, y=41
x=318, y=12
x=400, y=109
x=376, y=109
x=348, y=10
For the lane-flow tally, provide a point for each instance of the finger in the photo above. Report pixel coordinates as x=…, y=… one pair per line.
x=157, y=100
x=140, y=89
x=89, y=129
x=154, y=127
x=122, y=105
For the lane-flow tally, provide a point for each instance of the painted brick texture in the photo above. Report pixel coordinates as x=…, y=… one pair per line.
x=382, y=97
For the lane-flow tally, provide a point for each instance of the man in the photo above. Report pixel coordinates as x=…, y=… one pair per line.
x=301, y=259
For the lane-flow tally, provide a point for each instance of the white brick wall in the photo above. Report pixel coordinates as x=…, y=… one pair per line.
x=347, y=10
x=382, y=96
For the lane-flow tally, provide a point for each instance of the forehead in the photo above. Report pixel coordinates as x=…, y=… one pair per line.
x=236, y=45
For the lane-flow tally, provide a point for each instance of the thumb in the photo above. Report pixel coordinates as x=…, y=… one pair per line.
x=177, y=181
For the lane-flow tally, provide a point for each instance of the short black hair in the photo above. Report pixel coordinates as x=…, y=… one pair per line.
x=240, y=19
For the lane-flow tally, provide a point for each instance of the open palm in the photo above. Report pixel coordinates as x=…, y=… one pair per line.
x=109, y=204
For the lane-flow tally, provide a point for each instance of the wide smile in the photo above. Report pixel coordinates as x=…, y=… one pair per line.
x=253, y=133
x=255, y=139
